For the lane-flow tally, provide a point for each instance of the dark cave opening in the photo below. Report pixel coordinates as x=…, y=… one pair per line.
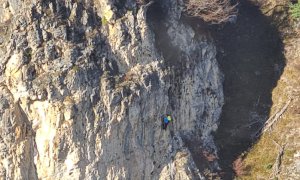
x=250, y=54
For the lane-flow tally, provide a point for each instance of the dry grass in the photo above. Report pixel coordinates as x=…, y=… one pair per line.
x=262, y=156
x=211, y=11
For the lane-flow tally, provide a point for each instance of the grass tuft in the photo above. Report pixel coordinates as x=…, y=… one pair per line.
x=295, y=10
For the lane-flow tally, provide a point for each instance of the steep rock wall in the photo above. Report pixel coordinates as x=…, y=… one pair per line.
x=84, y=85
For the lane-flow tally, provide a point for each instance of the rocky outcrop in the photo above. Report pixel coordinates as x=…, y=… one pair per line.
x=84, y=85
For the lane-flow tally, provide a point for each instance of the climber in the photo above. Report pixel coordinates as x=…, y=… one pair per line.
x=166, y=120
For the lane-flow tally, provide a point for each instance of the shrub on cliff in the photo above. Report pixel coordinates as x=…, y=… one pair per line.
x=211, y=11
x=295, y=10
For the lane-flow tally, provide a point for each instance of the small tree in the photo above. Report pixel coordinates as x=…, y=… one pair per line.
x=211, y=11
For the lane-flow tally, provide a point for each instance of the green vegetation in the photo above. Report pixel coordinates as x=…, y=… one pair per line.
x=295, y=10
x=269, y=166
x=75, y=68
x=104, y=21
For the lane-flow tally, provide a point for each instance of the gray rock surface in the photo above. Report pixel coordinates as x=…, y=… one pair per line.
x=84, y=85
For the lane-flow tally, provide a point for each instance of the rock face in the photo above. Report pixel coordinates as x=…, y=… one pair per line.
x=84, y=85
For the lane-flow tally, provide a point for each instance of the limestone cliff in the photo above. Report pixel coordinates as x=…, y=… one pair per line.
x=84, y=85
